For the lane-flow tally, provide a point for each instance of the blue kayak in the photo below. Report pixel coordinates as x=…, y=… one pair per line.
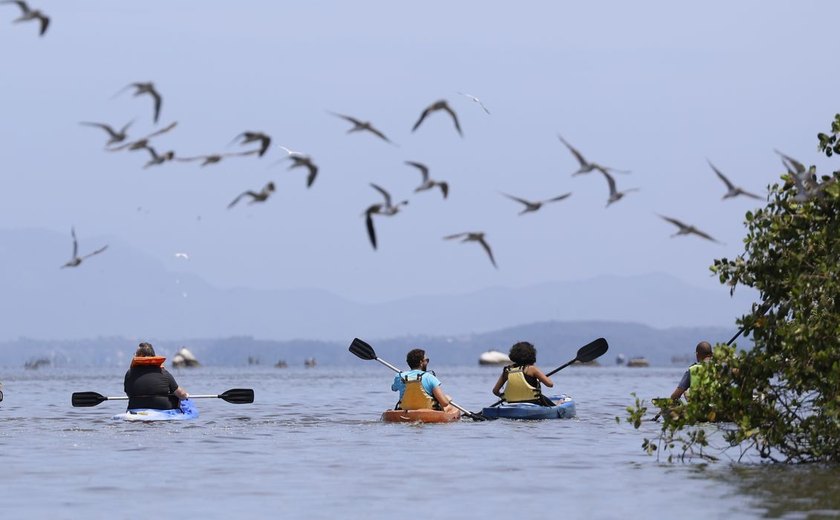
x=186, y=411
x=564, y=409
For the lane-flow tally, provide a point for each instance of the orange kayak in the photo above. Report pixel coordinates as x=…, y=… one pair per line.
x=423, y=416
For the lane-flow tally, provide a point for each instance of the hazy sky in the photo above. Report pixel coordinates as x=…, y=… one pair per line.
x=653, y=87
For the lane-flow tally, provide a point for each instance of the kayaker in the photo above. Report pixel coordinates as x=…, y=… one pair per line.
x=522, y=379
x=418, y=388
x=148, y=384
x=695, y=375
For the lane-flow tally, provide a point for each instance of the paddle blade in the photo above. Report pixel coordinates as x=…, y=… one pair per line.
x=592, y=351
x=362, y=349
x=87, y=399
x=238, y=395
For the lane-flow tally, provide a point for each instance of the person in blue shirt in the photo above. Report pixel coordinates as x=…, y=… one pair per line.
x=418, y=388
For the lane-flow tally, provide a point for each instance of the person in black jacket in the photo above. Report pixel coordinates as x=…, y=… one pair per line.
x=149, y=385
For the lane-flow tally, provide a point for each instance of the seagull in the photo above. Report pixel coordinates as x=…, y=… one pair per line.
x=685, y=229
x=805, y=179
x=361, y=126
x=30, y=14
x=534, y=206
x=158, y=159
x=76, y=260
x=139, y=144
x=586, y=166
x=250, y=137
x=387, y=209
x=732, y=190
x=427, y=182
x=146, y=88
x=474, y=236
x=439, y=105
x=258, y=196
x=215, y=158
x=185, y=256
x=615, y=195
x=475, y=99
x=302, y=160
x=116, y=137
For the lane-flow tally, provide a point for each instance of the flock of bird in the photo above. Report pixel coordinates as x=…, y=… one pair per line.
x=118, y=140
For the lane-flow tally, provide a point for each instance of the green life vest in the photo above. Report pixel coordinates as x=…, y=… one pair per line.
x=415, y=396
x=517, y=388
x=702, y=376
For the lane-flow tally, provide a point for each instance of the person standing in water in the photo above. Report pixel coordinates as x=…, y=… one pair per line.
x=522, y=379
x=149, y=385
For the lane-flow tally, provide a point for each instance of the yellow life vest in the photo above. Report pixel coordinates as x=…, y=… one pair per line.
x=517, y=388
x=415, y=396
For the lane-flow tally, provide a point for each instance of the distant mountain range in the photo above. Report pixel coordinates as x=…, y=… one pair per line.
x=556, y=342
x=127, y=293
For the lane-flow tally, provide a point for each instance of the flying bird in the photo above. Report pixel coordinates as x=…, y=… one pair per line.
x=531, y=206
x=387, y=209
x=256, y=196
x=428, y=183
x=731, y=189
x=586, y=166
x=685, y=229
x=115, y=136
x=475, y=99
x=158, y=159
x=148, y=87
x=28, y=14
x=363, y=126
x=142, y=143
x=185, y=256
x=615, y=195
x=215, y=158
x=475, y=236
x=252, y=137
x=76, y=260
x=439, y=105
x=300, y=160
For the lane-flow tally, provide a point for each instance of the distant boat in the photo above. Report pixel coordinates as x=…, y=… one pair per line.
x=253, y=360
x=281, y=364
x=638, y=362
x=310, y=362
x=493, y=357
x=620, y=360
x=34, y=364
x=184, y=358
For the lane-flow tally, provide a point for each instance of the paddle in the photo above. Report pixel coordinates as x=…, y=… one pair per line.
x=234, y=395
x=364, y=351
x=585, y=354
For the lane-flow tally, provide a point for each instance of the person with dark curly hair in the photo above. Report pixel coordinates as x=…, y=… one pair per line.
x=522, y=378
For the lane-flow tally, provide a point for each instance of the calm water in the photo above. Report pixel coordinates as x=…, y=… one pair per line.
x=311, y=446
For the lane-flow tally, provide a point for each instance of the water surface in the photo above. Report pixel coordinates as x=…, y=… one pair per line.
x=312, y=446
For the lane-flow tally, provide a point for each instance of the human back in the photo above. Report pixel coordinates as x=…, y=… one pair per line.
x=148, y=384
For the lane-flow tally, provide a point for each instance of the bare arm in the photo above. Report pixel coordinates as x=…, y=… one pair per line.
x=440, y=397
x=533, y=371
x=678, y=392
x=181, y=393
x=497, y=390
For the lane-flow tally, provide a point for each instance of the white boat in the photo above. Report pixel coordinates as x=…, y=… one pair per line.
x=493, y=357
x=184, y=358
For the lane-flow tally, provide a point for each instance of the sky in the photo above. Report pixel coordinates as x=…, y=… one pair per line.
x=654, y=87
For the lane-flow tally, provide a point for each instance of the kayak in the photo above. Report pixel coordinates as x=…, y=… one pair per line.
x=186, y=411
x=565, y=409
x=422, y=415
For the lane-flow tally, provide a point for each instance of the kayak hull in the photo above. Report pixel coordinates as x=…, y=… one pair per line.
x=565, y=409
x=185, y=412
x=423, y=416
